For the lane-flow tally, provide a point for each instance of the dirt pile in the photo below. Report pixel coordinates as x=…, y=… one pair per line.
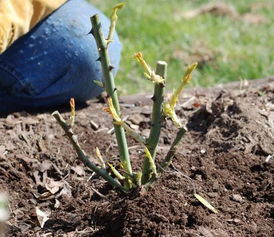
x=227, y=157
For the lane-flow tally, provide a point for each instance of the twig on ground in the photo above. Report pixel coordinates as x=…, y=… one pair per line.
x=97, y=192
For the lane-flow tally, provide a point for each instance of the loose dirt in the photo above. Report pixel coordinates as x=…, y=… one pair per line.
x=226, y=157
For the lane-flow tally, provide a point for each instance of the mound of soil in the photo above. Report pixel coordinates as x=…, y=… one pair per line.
x=226, y=157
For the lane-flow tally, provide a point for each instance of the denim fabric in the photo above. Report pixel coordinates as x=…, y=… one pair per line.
x=55, y=61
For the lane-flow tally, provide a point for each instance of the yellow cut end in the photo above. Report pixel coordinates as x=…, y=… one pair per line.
x=72, y=112
x=114, y=19
x=169, y=107
x=186, y=78
x=139, y=57
x=100, y=158
x=149, y=73
x=72, y=106
x=113, y=111
x=148, y=155
x=188, y=74
x=119, y=5
x=170, y=113
x=116, y=172
x=151, y=161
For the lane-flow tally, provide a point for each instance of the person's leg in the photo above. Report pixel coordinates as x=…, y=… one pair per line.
x=55, y=61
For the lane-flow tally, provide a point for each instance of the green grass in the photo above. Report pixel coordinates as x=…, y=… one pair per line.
x=239, y=50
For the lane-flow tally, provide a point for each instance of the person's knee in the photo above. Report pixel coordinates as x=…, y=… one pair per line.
x=59, y=57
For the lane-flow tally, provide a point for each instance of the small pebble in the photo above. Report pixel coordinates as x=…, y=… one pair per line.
x=136, y=119
x=237, y=198
x=146, y=132
x=94, y=125
x=235, y=220
x=212, y=194
x=203, y=151
x=198, y=177
x=215, y=186
x=134, y=127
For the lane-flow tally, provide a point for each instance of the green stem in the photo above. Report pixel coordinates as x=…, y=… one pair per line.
x=157, y=110
x=168, y=159
x=111, y=90
x=81, y=153
x=156, y=121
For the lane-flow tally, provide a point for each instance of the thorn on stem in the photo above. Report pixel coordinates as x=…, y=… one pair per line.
x=115, y=89
x=98, y=59
x=91, y=32
x=162, y=85
x=110, y=67
x=153, y=98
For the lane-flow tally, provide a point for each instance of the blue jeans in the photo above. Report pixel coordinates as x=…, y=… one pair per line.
x=55, y=61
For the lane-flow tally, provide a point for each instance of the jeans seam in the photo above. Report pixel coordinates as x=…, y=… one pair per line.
x=20, y=81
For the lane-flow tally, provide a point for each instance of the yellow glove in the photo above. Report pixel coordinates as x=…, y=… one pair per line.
x=17, y=17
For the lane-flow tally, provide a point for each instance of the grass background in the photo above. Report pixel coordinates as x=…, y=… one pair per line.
x=229, y=49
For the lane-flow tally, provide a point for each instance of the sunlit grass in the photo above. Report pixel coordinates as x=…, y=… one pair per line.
x=237, y=49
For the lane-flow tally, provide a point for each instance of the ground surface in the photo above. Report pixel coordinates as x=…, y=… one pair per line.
x=230, y=39
x=225, y=157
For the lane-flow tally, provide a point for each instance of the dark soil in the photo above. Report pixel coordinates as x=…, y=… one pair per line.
x=227, y=157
